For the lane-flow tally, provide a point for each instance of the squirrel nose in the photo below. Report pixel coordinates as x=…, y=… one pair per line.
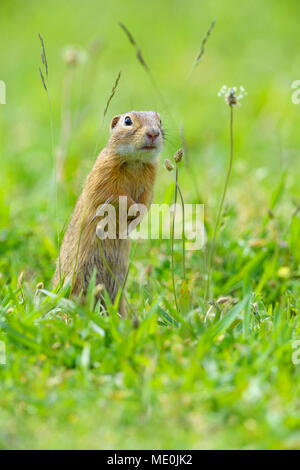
x=152, y=134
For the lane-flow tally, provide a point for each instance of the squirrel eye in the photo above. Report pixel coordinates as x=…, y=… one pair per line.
x=128, y=121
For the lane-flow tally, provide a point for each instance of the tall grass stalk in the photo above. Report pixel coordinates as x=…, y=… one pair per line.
x=147, y=69
x=202, y=48
x=169, y=166
x=172, y=244
x=177, y=189
x=111, y=95
x=220, y=209
x=45, y=82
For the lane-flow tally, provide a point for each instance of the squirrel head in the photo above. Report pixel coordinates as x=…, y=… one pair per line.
x=136, y=135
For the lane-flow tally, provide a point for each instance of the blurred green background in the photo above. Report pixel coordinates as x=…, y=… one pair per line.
x=254, y=44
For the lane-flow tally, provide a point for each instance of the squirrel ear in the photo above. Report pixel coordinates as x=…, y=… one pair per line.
x=114, y=121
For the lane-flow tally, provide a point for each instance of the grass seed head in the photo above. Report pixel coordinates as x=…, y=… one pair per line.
x=43, y=54
x=178, y=156
x=168, y=165
x=43, y=80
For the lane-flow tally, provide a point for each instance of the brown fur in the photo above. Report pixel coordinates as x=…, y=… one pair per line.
x=123, y=168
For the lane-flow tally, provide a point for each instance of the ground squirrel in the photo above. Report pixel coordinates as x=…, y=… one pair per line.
x=125, y=167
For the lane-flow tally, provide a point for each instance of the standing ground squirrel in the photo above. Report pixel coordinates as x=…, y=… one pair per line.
x=125, y=167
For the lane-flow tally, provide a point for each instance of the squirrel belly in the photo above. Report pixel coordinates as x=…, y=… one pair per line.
x=126, y=167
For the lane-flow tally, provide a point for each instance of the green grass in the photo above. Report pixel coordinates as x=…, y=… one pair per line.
x=74, y=379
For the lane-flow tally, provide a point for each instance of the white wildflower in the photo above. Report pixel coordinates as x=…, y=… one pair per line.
x=73, y=55
x=232, y=95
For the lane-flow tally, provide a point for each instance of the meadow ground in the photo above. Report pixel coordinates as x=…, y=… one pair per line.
x=71, y=378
